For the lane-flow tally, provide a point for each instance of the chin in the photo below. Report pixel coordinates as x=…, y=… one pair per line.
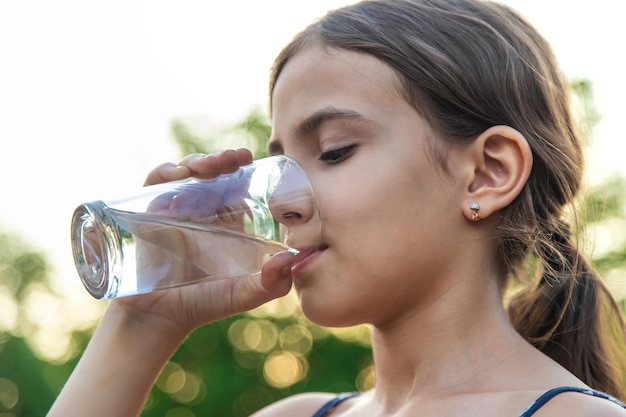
x=322, y=314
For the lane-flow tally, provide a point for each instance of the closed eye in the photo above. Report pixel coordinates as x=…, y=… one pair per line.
x=337, y=155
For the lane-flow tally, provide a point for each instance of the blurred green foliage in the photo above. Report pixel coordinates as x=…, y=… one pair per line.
x=28, y=382
x=238, y=365
x=232, y=367
x=196, y=136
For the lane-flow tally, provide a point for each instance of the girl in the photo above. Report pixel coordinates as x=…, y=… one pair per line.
x=438, y=137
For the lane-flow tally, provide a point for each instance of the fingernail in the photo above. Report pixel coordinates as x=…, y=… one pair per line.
x=180, y=171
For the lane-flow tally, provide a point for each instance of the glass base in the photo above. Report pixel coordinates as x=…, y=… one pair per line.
x=96, y=250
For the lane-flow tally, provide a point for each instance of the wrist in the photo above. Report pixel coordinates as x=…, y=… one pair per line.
x=121, y=362
x=147, y=328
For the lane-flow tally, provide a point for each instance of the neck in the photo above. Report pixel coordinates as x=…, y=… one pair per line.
x=442, y=349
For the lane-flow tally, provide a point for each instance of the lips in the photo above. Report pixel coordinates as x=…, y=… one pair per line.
x=305, y=258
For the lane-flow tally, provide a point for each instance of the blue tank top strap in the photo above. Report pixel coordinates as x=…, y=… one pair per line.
x=547, y=396
x=334, y=402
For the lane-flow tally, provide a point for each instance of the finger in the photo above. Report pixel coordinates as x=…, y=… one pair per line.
x=233, y=158
x=166, y=172
x=160, y=204
x=276, y=273
x=250, y=292
x=244, y=156
x=218, y=162
x=188, y=159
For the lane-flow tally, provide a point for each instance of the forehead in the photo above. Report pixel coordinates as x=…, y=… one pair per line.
x=320, y=76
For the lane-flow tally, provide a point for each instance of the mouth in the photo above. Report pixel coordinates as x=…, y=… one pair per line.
x=306, y=257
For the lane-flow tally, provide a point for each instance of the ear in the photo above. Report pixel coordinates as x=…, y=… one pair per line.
x=501, y=160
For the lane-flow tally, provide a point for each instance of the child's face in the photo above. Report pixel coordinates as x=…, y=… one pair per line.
x=390, y=218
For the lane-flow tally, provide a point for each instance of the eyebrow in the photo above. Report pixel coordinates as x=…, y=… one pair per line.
x=315, y=121
x=322, y=116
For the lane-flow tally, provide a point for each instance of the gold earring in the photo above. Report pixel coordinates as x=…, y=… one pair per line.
x=475, y=207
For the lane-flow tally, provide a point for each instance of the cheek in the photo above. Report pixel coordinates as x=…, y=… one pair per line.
x=372, y=209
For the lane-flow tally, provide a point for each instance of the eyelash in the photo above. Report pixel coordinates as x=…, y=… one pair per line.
x=337, y=155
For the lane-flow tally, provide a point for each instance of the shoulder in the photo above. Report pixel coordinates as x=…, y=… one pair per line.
x=576, y=404
x=304, y=405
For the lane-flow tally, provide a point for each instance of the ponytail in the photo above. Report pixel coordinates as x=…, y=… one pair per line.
x=570, y=315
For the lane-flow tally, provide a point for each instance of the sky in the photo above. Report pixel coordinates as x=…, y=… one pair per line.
x=88, y=90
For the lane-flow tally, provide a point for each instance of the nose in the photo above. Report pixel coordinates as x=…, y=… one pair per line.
x=292, y=202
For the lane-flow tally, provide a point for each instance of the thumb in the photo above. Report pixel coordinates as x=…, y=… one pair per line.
x=250, y=292
x=276, y=274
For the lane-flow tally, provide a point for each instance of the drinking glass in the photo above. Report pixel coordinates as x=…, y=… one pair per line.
x=184, y=232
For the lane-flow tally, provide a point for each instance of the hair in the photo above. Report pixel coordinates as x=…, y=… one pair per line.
x=467, y=65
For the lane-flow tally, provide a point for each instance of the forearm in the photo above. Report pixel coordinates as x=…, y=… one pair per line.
x=118, y=368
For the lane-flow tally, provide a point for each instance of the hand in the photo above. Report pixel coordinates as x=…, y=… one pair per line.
x=184, y=308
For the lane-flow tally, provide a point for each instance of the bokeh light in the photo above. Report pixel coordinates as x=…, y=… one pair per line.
x=283, y=369
x=171, y=379
x=49, y=323
x=180, y=384
x=296, y=338
x=279, y=308
x=251, y=399
x=8, y=311
x=9, y=394
x=366, y=377
x=180, y=412
x=253, y=335
x=360, y=334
